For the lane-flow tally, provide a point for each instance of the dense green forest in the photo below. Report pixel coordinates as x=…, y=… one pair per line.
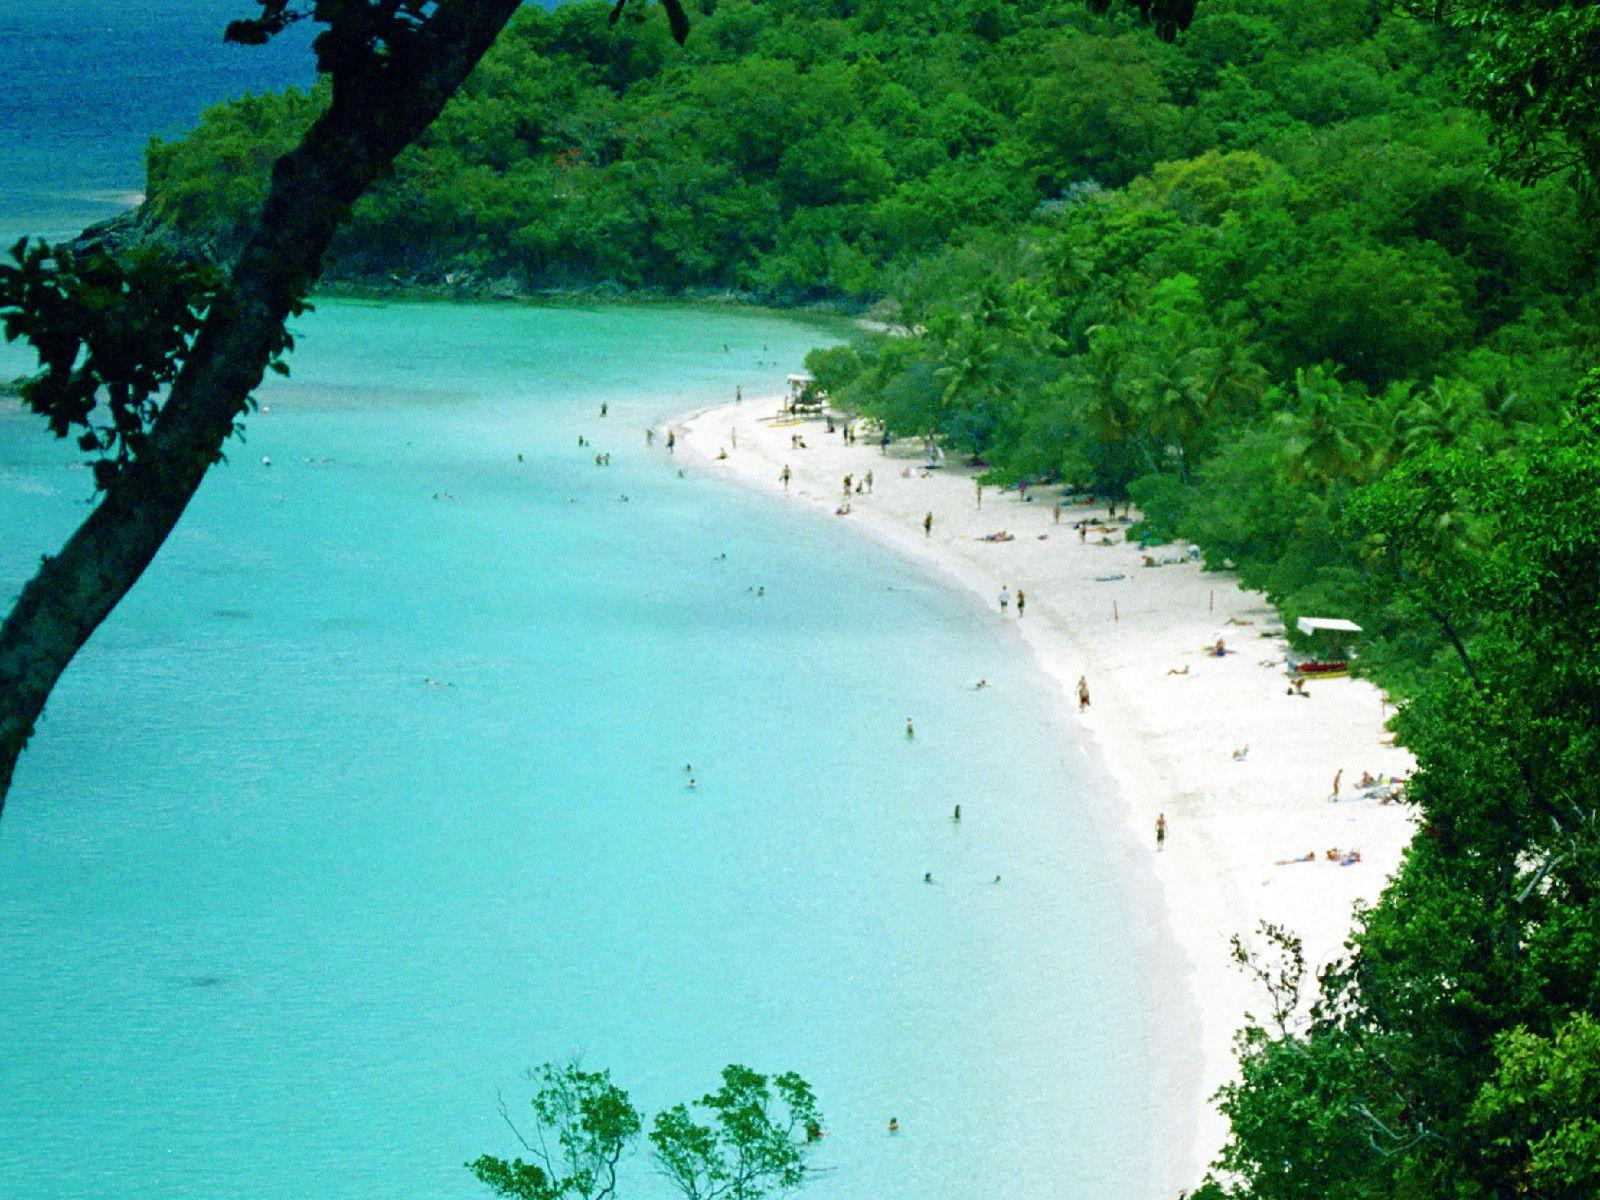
x=1313, y=285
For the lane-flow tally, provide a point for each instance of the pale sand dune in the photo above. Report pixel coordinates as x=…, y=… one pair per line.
x=1167, y=739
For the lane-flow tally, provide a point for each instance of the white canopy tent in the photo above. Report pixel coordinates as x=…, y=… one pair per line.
x=1314, y=625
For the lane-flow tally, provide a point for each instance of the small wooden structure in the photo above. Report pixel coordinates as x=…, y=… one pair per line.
x=804, y=396
x=1331, y=653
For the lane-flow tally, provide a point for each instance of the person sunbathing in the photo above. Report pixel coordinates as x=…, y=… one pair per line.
x=1309, y=856
x=1241, y=754
x=1183, y=670
x=1367, y=781
x=842, y=511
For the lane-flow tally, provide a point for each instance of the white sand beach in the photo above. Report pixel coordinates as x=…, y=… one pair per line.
x=1169, y=739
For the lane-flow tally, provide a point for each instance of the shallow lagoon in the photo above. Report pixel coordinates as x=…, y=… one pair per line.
x=278, y=918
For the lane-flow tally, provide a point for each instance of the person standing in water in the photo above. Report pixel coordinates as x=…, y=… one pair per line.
x=1161, y=830
x=649, y=437
x=956, y=816
x=1083, y=692
x=738, y=394
x=672, y=440
x=927, y=525
x=1022, y=599
x=603, y=408
x=910, y=730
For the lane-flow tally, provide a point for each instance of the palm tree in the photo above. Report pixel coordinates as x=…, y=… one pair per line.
x=1329, y=435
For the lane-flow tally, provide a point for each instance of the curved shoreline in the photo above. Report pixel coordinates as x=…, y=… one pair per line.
x=1166, y=739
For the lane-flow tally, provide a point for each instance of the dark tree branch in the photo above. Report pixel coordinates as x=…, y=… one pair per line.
x=382, y=102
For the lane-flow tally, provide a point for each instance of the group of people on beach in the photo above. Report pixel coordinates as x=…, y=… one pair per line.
x=1345, y=858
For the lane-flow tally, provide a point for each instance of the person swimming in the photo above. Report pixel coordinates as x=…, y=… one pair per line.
x=894, y=1125
x=927, y=877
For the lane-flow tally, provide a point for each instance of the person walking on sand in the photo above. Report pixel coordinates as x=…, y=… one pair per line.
x=785, y=477
x=979, y=486
x=1005, y=598
x=1022, y=599
x=869, y=482
x=1083, y=531
x=1058, y=511
x=847, y=479
x=1161, y=830
x=927, y=525
x=1083, y=692
x=672, y=441
x=1337, y=776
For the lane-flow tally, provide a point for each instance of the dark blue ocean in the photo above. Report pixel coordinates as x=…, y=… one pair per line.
x=84, y=84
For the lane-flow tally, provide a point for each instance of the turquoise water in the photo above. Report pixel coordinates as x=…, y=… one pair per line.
x=278, y=918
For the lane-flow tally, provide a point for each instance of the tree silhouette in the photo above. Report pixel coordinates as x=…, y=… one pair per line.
x=393, y=65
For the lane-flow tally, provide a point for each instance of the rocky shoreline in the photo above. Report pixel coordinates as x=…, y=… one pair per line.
x=135, y=227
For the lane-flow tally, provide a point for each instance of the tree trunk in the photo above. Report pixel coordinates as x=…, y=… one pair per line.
x=375, y=114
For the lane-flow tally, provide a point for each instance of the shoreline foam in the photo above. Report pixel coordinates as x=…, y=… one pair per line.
x=1166, y=740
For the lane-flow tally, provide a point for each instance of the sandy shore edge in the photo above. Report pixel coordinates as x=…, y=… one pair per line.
x=1166, y=718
